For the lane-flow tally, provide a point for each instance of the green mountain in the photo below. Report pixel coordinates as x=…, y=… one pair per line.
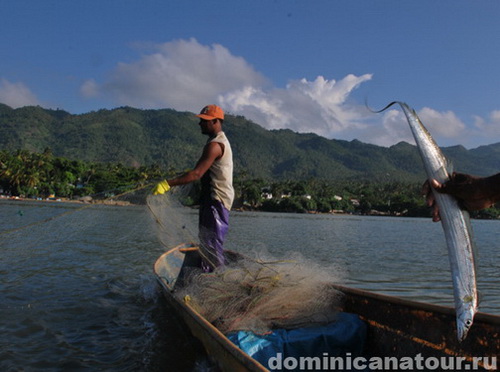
x=173, y=140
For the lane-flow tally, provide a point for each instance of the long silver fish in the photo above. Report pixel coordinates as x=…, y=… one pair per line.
x=455, y=222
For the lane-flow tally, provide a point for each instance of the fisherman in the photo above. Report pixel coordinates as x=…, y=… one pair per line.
x=474, y=193
x=215, y=169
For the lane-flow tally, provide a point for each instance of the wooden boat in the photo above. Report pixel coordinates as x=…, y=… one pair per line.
x=396, y=327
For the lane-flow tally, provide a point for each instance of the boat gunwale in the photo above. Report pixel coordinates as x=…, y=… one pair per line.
x=248, y=362
x=417, y=305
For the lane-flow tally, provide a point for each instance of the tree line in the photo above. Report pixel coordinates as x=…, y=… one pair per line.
x=171, y=139
x=41, y=175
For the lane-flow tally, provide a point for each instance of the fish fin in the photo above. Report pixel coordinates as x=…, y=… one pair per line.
x=479, y=297
x=449, y=166
x=446, y=170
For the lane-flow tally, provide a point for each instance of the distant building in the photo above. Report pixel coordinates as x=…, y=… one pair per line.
x=266, y=195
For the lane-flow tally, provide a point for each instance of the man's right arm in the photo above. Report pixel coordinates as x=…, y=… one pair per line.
x=211, y=152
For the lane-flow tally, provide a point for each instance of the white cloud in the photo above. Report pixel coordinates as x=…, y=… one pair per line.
x=442, y=124
x=89, y=89
x=257, y=105
x=16, y=94
x=391, y=129
x=445, y=127
x=186, y=75
x=318, y=106
x=489, y=128
x=183, y=75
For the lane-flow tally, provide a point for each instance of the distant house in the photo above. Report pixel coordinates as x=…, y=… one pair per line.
x=266, y=195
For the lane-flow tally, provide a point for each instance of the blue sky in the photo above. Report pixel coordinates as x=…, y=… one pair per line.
x=306, y=65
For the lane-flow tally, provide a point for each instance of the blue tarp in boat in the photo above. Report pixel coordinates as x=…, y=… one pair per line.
x=284, y=349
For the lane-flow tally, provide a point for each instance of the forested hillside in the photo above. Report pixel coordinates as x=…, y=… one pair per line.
x=172, y=140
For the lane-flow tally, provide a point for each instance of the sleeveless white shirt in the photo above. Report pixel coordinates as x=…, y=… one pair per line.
x=221, y=173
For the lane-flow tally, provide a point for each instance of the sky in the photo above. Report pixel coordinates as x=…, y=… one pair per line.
x=312, y=66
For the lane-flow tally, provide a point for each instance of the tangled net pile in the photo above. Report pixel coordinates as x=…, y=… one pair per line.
x=259, y=295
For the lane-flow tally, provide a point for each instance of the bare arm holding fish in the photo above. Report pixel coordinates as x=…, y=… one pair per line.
x=474, y=193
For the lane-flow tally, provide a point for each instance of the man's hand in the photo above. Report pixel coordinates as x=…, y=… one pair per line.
x=473, y=193
x=161, y=188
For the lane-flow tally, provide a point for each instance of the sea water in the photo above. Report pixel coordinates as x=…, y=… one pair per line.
x=77, y=289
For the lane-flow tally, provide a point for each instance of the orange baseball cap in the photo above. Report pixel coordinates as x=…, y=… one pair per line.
x=211, y=112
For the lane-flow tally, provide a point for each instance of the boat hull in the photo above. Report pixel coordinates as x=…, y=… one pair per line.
x=399, y=327
x=227, y=355
x=396, y=327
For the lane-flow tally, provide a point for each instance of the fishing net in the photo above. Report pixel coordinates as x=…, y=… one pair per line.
x=175, y=223
x=257, y=292
x=262, y=293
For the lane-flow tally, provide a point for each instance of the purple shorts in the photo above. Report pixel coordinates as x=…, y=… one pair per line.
x=213, y=227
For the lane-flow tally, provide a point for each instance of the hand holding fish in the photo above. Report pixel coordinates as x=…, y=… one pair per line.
x=473, y=193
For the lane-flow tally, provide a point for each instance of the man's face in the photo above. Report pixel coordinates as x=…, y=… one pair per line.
x=206, y=126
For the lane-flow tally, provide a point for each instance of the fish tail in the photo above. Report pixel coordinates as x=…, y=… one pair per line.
x=385, y=108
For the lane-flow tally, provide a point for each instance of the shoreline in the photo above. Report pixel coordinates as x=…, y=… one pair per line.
x=81, y=201
x=110, y=202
